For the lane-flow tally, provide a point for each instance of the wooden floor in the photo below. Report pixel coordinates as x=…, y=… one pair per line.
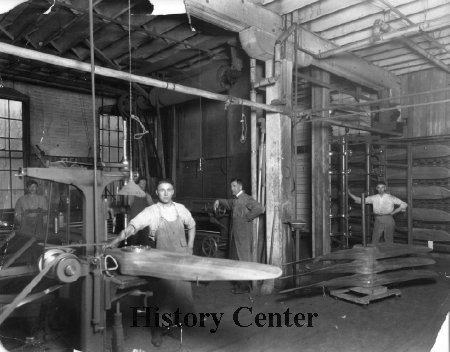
x=404, y=324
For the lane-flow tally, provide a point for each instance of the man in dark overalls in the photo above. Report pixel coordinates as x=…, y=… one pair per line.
x=166, y=221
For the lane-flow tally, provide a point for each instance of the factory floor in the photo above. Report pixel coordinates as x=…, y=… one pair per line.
x=407, y=323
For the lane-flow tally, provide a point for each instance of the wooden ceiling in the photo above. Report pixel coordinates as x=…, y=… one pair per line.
x=163, y=47
x=345, y=22
x=168, y=47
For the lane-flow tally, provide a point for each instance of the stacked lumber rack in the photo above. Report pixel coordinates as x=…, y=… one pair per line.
x=429, y=198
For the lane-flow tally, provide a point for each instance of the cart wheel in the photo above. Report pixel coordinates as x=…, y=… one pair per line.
x=209, y=246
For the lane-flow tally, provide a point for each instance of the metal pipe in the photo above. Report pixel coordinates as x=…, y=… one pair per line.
x=400, y=14
x=361, y=128
x=363, y=219
x=367, y=181
x=427, y=26
x=107, y=72
x=343, y=187
x=409, y=188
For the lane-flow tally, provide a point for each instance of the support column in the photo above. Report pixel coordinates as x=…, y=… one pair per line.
x=279, y=199
x=320, y=165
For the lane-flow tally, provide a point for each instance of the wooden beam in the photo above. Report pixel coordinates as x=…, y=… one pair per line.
x=321, y=8
x=283, y=7
x=320, y=184
x=235, y=15
x=261, y=28
x=279, y=199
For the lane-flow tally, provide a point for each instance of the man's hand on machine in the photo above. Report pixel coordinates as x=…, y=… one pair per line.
x=129, y=231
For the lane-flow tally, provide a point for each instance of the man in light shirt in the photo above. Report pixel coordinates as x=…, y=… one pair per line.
x=166, y=221
x=384, y=207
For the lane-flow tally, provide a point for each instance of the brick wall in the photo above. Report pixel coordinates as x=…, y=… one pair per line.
x=60, y=120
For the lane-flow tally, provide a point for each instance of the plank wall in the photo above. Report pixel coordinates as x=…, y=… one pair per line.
x=426, y=120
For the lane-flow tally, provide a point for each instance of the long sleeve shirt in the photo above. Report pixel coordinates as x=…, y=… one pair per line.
x=152, y=215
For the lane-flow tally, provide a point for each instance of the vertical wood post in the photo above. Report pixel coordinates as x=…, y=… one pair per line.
x=320, y=182
x=279, y=197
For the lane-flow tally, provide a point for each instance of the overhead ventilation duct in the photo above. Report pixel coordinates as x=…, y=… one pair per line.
x=217, y=79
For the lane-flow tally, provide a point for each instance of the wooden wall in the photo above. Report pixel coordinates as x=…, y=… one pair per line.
x=427, y=120
x=60, y=120
x=210, y=134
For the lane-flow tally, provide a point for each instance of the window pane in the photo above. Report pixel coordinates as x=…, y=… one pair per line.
x=113, y=123
x=120, y=122
x=105, y=138
x=4, y=164
x=105, y=155
x=4, y=130
x=17, y=182
x=4, y=146
x=5, y=200
x=4, y=108
x=15, y=129
x=16, y=163
x=15, y=144
x=113, y=155
x=114, y=139
x=4, y=180
x=15, y=109
x=16, y=155
x=104, y=122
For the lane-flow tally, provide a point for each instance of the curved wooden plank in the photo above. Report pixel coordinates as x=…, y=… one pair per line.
x=427, y=234
x=176, y=266
x=420, y=192
x=368, y=281
x=371, y=266
x=383, y=250
x=424, y=151
x=420, y=173
x=431, y=215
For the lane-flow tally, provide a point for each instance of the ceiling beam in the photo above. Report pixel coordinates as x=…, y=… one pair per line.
x=259, y=28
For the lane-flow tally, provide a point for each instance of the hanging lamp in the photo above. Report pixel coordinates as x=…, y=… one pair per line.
x=130, y=188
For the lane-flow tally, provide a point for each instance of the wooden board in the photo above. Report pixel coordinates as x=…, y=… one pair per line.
x=176, y=266
x=420, y=192
x=430, y=215
x=371, y=266
x=424, y=151
x=371, y=280
x=382, y=250
x=420, y=173
x=419, y=214
x=427, y=234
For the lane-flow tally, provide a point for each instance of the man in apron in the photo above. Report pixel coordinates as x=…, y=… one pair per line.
x=166, y=221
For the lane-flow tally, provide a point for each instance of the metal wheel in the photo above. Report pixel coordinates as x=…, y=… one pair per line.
x=209, y=246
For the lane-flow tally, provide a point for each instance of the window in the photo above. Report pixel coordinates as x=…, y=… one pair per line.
x=111, y=146
x=11, y=151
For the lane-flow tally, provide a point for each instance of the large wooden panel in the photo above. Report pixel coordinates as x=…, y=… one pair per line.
x=214, y=129
x=215, y=178
x=189, y=180
x=431, y=119
x=189, y=131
